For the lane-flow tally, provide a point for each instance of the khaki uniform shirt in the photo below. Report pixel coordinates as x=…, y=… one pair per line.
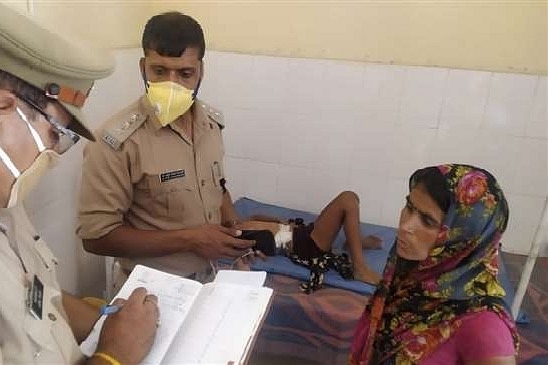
x=153, y=178
x=24, y=339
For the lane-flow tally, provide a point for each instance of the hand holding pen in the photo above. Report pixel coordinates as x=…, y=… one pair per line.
x=129, y=328
x=107, y=309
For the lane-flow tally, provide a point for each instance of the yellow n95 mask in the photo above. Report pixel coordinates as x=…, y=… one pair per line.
x=169, y=99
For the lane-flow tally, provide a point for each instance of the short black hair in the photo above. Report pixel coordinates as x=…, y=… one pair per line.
x=171, y=33
x=433, y=181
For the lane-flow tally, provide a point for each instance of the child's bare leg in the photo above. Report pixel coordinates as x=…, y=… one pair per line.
x=344, y=211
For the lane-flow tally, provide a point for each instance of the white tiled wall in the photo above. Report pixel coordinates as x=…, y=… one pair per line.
x=298, y=131
x=301, y=130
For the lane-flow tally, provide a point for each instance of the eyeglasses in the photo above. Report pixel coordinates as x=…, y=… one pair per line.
x=66, y=137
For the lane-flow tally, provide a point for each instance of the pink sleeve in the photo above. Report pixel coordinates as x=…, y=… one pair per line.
x=483, y=335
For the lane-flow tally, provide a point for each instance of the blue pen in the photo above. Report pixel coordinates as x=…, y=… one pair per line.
x=107, y=309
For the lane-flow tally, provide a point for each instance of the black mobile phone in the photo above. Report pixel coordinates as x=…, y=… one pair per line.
x=264, y=240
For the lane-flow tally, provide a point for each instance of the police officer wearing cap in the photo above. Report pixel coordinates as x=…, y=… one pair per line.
x=153, y=188
x=44, y=81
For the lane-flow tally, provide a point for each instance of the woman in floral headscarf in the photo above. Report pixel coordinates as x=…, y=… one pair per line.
x=439, y=302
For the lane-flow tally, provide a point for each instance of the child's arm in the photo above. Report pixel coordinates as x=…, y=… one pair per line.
x=258, y=225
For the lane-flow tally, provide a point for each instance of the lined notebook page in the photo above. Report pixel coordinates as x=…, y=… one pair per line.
x=175, y=298
x=220, y=326
x=251, y=278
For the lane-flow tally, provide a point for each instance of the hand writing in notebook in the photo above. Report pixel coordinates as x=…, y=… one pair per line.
x=136, y=319
x=213, y=323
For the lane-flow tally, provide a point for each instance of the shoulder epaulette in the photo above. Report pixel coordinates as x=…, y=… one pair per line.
x=214, y=114
x=120, y=127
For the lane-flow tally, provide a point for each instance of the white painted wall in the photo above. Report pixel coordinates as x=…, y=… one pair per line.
x=301, y=130
x=448, y=33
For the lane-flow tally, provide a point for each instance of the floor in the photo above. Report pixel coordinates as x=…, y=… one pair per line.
x=534, y=335
x=278, y=360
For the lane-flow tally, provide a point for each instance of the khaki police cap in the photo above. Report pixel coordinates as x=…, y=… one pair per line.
x=63, y=68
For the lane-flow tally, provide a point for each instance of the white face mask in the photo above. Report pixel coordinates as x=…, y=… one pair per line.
x=28, y=179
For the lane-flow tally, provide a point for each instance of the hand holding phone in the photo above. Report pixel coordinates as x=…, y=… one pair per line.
x=264, y=240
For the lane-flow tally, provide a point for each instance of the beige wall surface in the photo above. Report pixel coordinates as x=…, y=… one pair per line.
x=508, y=36
x=486, y=35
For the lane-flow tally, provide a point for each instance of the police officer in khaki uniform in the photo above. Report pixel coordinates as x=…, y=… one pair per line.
x=153, y=188
x=44, y=81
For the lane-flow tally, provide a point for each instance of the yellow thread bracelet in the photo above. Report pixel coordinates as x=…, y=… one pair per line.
x=107, y=358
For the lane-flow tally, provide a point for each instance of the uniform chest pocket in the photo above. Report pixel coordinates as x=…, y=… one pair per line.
x=51, y=337
x=157, y=187
x=166, y=197
x=40, y=332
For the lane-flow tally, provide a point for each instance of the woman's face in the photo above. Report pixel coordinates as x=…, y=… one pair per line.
x=420, y=222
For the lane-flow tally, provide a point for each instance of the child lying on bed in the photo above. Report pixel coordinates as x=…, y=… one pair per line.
x=310, y=244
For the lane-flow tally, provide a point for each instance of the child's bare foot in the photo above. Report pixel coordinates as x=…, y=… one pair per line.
x=366, y=275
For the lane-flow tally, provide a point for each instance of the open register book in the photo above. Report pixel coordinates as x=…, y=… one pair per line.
x=214, y=323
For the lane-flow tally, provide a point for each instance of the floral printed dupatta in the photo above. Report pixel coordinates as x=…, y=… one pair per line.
x=409, y=316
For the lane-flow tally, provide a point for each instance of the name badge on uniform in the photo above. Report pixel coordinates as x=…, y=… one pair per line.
x=36, y=298
x=170, y=175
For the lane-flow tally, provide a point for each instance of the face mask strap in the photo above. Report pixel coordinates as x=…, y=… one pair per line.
x=33, y=132
x=145, y=81
x=144, y=76
x=9, y=163
x=195, y=93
